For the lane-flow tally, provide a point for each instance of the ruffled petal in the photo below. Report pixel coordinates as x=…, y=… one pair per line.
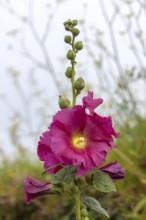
x=72, y=120
x=90, y=103
x=105, y=123
x=46, y=154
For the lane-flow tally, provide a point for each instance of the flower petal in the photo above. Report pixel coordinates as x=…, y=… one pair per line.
x=90, y=103
x=45, y=153
x=35, y=188
x=115, y=171
x=71, y=119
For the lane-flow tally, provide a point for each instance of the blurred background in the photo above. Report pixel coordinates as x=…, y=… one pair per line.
x=32, y=67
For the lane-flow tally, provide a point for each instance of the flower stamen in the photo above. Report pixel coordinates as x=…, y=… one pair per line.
x=79, y=141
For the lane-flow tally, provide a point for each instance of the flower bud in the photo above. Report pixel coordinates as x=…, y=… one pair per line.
x=89, y=179
x=83, y=206
x=75, y=189
x=64, y=102
x=86, y=218
x=75, y=32
x=68, y=72
x=68, y=22
x=79, y=45
x=80, y=180
x=79, y=84
x=84, y=212
x=68, y=28
x=71, y=55
x=74, y=22
x=67, y=39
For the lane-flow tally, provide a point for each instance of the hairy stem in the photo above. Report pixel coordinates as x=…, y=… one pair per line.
x=77, y=206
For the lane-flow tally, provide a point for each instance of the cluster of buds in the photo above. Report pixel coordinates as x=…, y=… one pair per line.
x=79, y=84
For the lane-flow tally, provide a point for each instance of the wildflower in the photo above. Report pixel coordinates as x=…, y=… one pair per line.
x=77, y=138
x=35, y=188
x=114, y=170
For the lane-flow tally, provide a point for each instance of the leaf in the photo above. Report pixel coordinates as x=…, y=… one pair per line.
x=95, y=205
x=65, y=175
x=103, y=182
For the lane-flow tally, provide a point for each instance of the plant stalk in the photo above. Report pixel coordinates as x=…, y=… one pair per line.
x=77, y=206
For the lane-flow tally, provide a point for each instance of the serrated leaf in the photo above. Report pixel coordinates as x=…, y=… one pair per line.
x=65, y=175
x=95, y=205
x=103, y=182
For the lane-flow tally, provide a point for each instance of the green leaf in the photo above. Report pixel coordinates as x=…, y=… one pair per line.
x=95, y=205
x=65, y=175
x=103, y=182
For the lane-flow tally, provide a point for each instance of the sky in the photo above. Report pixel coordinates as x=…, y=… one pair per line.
x=14, y=33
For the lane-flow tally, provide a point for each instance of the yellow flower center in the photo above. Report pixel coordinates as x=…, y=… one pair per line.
x=79, y=141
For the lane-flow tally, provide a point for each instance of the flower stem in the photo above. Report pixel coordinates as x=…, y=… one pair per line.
x=73, y=76
x=77, y=205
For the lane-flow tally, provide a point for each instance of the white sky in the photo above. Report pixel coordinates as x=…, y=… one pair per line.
x=55, y=44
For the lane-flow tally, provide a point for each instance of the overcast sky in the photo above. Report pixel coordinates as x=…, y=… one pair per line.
x=13, y=29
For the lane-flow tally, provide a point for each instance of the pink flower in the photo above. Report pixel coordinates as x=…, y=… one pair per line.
x=35, y=188
x=77, y=138
x=114, y=170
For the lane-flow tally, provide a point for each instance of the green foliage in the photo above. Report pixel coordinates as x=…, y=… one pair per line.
x=102, y=182
x=65, y=175
x=94, y=205
x=127, y=203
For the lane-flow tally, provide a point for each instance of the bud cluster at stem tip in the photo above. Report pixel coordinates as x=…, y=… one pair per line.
x=76, y=46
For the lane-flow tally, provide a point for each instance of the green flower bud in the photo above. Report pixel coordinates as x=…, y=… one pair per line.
x=64, y=102
x=86, y=218
x=68, y=72
x=79, y=84
x=75, y=189
x=89, y=179
x=80, y=180
x=84, y=212
x=68, y=25
x=68, y=22
x=79, y=45
x=67, y=39
x=83, y=206
x=74, y=22
x=75, y=32
x=71, y=55
x=68, y=28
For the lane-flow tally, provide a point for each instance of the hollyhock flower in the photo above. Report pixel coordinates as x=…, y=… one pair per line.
x=35, y=188
x=77, y=138
x=114, y=170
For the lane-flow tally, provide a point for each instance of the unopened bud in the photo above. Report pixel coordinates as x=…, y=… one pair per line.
x=68, y=25
x=75, y=189
x=79, y=84
x=68, y=72
x=79, y=45
x=84, y=212
x=86, y=218
x=89, y=179
x=80, y=180
x=71, y=55
x=67, y=39
x=74, y=22
x=64, y=102
x=75, y=31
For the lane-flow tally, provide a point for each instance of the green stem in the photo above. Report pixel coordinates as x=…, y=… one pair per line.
x=77, y=205
x=73, y=76
x=72, y=82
